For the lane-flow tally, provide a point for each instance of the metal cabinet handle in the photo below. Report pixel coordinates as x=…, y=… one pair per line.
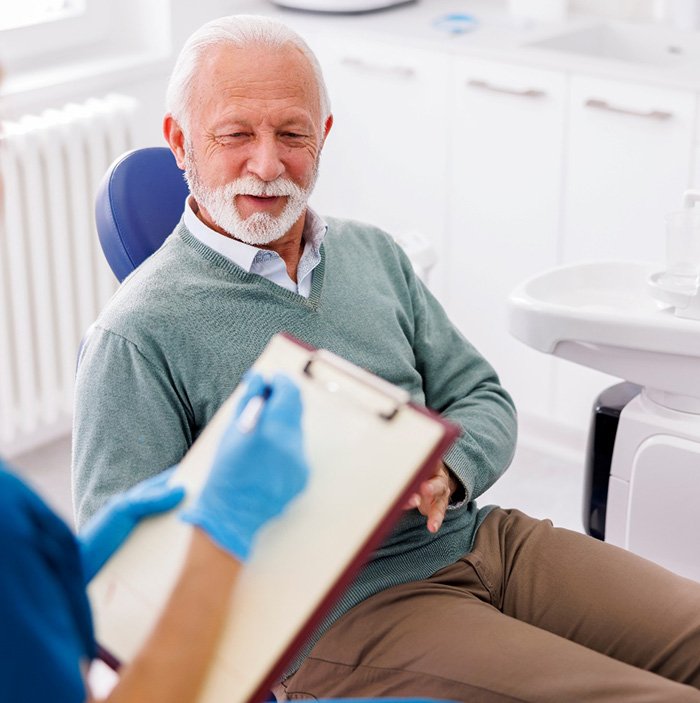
x=361, y=64
x=525, y=93
x=598, y=104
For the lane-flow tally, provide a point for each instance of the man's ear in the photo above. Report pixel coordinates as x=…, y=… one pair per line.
x=176, y=139
x=326, y=129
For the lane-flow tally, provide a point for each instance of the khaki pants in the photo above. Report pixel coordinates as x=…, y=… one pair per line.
x=533, y=613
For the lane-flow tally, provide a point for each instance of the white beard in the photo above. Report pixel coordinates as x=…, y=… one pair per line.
x=260, y=227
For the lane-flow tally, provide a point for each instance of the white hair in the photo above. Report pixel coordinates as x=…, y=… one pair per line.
x=238, y=31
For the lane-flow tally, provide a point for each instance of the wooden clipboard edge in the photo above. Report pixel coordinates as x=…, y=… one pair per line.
x=105, y=656
x=296, y=340
x=391, y=517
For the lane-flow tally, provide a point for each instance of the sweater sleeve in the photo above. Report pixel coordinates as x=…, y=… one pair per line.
x=463, y=387
x=129, y=421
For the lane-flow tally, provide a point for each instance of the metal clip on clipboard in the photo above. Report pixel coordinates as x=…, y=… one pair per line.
x=331, y=370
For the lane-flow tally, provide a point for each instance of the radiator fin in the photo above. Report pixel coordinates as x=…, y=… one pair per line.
x=53, y=276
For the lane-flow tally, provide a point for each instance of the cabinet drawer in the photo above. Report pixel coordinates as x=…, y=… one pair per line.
x=508, y=84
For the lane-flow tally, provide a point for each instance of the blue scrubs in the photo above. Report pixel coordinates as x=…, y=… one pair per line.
x=45, y=624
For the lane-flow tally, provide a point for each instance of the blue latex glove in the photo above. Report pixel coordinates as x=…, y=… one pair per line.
x=113, y=523
x=255, y=474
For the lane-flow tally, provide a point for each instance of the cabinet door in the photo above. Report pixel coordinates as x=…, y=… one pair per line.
x=629, y=160
x=385, y=159
x=505, y=175
x=628, y=163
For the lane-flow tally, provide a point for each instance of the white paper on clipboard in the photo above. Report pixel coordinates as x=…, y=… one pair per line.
x=357, y=428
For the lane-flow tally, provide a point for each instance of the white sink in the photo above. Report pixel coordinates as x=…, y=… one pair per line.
x=602, y=315
x=640, y=44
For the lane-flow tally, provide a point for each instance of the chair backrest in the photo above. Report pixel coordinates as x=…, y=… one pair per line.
x=138, y=204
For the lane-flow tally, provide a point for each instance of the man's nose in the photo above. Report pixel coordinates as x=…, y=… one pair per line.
x=264, y=161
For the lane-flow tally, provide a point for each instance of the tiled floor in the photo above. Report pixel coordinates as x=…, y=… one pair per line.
x=535, y=483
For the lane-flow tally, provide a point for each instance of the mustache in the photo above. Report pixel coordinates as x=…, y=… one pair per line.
x=250, y=185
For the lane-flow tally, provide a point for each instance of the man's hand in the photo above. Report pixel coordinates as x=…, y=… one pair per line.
x=433, y=497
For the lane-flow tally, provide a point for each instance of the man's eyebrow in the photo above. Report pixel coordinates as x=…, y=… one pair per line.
x=298, y=120
x=228, y=122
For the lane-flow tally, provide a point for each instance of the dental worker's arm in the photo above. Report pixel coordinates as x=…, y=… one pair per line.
x=174, y=661
x=254, y=477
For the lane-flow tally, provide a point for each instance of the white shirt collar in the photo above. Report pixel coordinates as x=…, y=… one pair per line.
x=238, y=252
x=262, y=261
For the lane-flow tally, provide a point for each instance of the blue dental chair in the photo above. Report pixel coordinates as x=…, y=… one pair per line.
x=138, y=204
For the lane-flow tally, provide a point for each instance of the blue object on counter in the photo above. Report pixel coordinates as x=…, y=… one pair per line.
x=456, y=23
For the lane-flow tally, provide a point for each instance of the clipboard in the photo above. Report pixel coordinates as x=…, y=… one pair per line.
x=357, y=427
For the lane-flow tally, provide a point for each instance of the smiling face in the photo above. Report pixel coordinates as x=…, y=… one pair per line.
x=255, y=139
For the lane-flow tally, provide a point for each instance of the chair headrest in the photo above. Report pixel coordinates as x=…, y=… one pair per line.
x=138, y=204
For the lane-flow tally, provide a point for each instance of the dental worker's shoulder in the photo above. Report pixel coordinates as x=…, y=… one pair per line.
x=14, y=494
x=22, y=514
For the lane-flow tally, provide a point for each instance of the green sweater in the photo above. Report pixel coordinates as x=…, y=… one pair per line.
x=175, y=339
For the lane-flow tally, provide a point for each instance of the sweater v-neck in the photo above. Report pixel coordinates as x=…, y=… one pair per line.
x=220, y=261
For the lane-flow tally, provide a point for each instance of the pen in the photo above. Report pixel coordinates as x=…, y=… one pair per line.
x=250, y=414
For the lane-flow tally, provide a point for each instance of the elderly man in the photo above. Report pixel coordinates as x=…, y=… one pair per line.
x=459, y=602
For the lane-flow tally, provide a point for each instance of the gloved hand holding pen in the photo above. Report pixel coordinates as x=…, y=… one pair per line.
x=256, y=472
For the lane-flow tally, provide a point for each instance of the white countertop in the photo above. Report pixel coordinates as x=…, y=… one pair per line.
x=499, y=36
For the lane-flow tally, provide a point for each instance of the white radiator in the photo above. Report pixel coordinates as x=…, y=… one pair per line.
x=53, y=276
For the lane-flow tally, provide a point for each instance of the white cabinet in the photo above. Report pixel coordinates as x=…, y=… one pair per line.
x=385, y=159
x=505, y=179
x=628, y=162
